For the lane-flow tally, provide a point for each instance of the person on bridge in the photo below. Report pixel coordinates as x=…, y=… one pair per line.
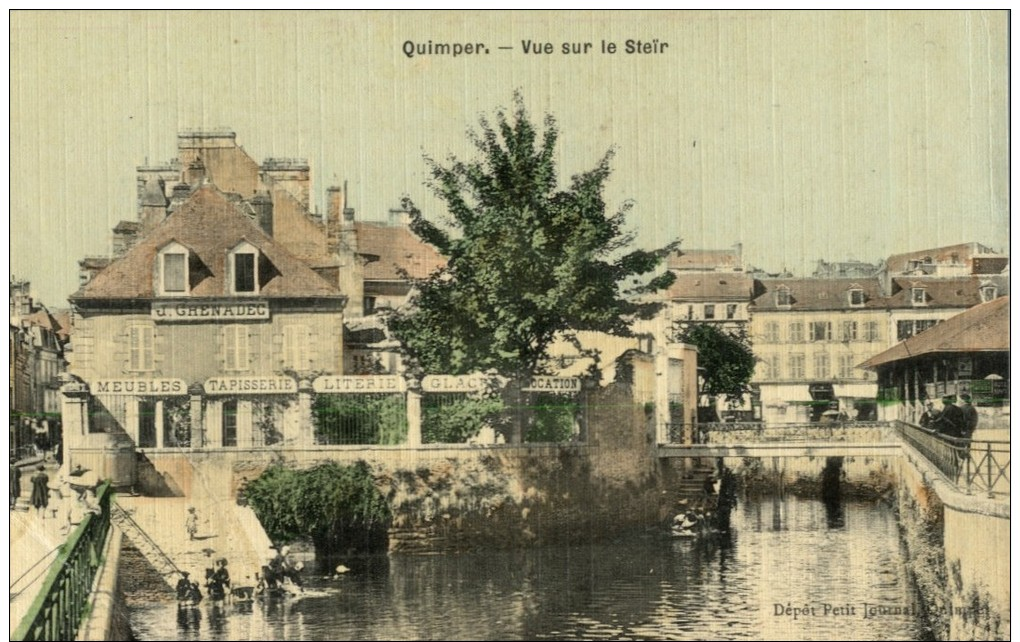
x=929, y=415
x=951, y=420
x=970, y=415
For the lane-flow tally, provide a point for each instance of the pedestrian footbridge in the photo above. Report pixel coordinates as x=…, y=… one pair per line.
x=971, y=466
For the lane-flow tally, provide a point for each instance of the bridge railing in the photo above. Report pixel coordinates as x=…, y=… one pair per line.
x=980, y=465
x=730, y=433
x=65, y=596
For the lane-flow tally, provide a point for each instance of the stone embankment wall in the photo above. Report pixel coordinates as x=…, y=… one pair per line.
x=959, y=553
x=860, y=477
x=452, y=498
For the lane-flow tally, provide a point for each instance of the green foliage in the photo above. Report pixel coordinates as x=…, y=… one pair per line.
x=334, y=505
x=448, y=419
x=525, y=260
x=552, y=419
x=725, y=357
x=360, y=419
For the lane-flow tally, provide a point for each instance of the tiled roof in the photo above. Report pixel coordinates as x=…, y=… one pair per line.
x=958, y=292
x=711, y=286
x=900, y=263
x=208, y=224
x=983, y=328
x=817, y=294
x=397, y=248
x=704, y=260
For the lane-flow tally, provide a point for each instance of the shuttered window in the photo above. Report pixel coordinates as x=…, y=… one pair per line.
x=140, y=347
x=235, y=347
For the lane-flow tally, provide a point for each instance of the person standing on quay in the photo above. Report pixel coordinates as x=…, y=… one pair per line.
x=40, y=491
x=15, y=483
x=191, y=523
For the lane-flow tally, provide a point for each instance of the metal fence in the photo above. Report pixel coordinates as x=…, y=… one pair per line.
x=744, y=432
x=971, y=465
x=362, y=418
x=65, y=596
x=538, y=417
x=456, y=417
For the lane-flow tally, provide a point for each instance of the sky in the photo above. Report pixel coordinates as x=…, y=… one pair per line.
x=802, y=135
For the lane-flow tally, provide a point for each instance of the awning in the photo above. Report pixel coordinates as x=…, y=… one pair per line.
x=772, y=394
x=859, y=390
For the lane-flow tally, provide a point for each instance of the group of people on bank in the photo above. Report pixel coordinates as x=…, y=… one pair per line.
x=74, y=492
x=958, y=422
x=278, y=576
x=217, y=585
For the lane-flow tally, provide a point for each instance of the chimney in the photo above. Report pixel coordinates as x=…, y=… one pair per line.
x=195, y=172
x=262, y=204
x=179, y=195
x=335, y=203
x=153, y=203
x=399, y=217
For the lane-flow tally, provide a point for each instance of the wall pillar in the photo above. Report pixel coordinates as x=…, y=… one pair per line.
x=413, y=418
x=305, y=428
x=74, y=415
x=195, y=390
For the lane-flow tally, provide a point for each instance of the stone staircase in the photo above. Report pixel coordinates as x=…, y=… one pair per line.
x=690, y=485
x=156, y=527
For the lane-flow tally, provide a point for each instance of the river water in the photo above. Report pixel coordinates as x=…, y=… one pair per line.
x=789, y=569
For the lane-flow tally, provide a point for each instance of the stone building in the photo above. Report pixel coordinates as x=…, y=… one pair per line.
x=205, y=333
x=36, y=342
x=809, y=335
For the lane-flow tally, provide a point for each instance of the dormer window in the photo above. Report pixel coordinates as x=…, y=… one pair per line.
x=783, y=298
x=243, y=264
x=988, y=292
x=918, y=296
x=172, y=270
x=856, y=297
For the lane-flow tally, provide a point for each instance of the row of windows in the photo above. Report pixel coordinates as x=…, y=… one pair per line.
x=176, y=272
x=796, y=367
x=236, y=343
x=796, y=331
x=709, y=311
x=856, y=297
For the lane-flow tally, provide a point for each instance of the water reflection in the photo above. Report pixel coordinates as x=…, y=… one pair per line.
x=779, y=552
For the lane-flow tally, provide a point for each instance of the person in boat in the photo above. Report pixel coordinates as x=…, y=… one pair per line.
x=684, y=523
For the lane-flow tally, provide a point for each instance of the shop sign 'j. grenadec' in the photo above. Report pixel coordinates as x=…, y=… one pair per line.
x=232, y=310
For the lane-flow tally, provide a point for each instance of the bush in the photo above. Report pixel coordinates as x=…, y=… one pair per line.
x=337, y=507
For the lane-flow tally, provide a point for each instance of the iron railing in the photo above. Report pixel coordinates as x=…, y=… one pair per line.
x=65, y=596
x=743, y=432
x=970, y=464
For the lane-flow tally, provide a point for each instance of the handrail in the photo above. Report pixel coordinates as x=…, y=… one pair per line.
x=120, y=514
x=64, y=598
x=968, y=464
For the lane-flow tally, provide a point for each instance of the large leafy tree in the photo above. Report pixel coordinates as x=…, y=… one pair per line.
x=526, y=260
x=725, y=357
